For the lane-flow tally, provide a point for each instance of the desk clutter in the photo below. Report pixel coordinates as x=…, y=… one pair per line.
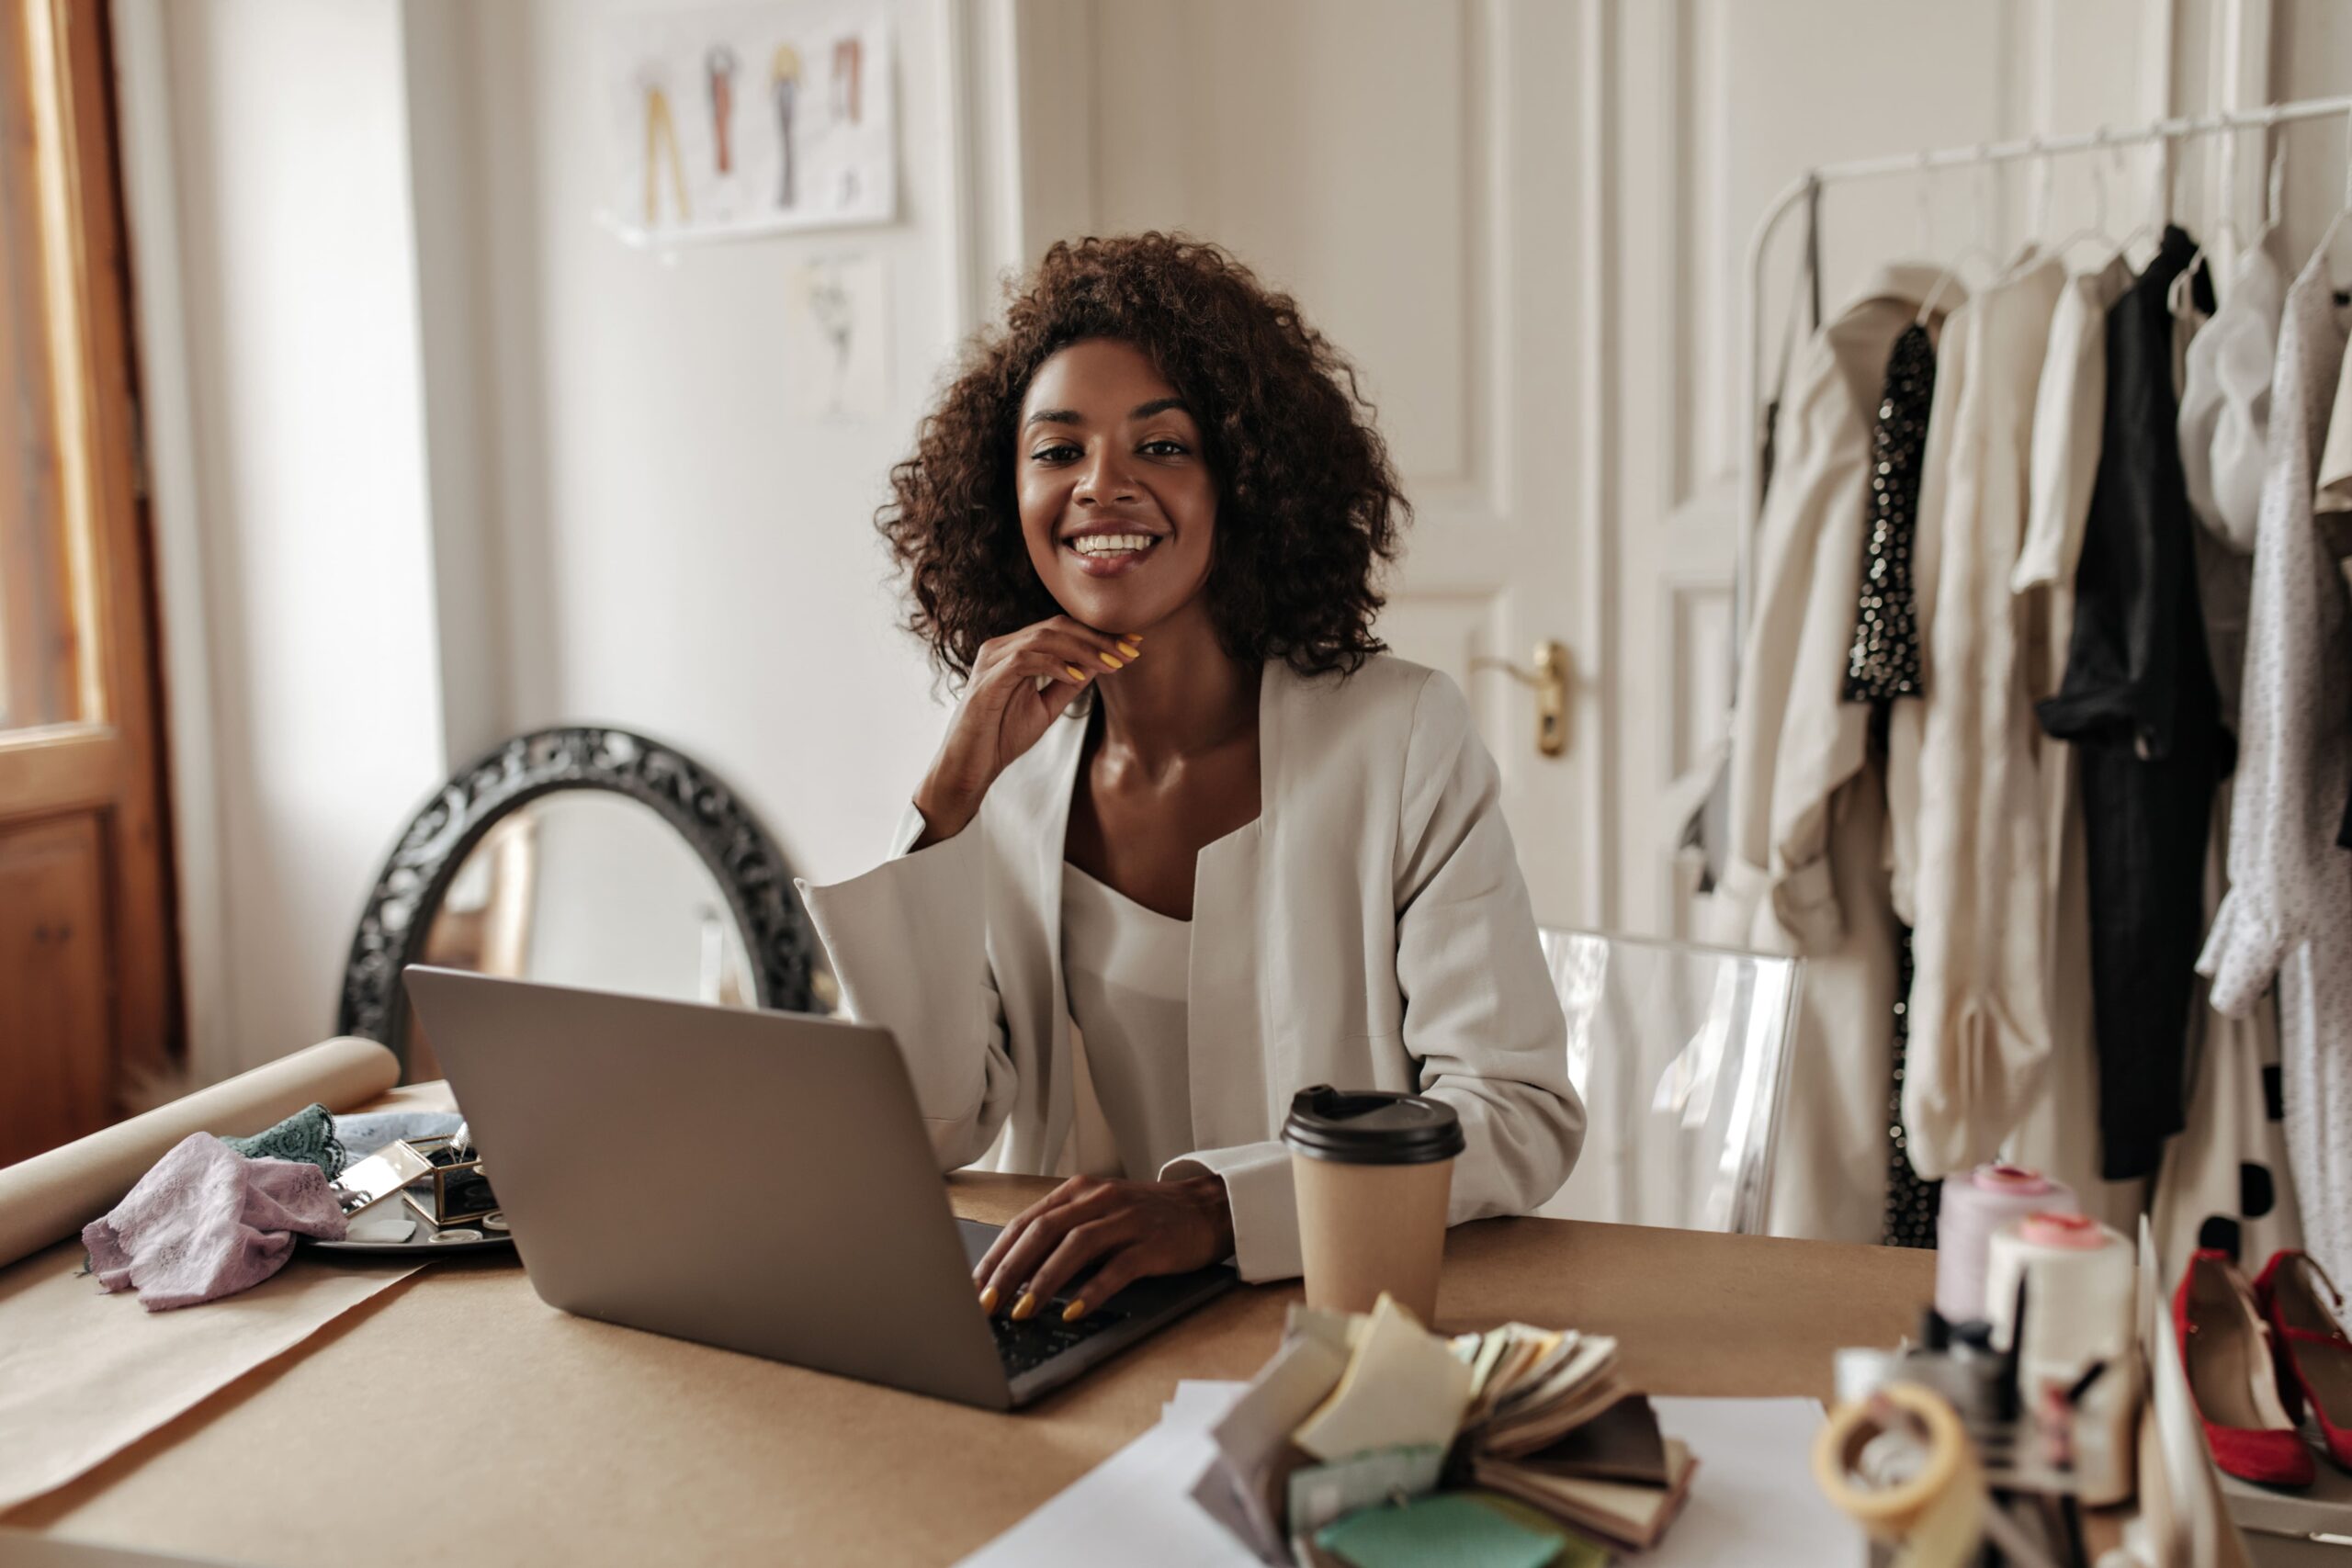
x=217, y=1215
x=2079, y=1384
x=60, y=1336
x=1367, y=1438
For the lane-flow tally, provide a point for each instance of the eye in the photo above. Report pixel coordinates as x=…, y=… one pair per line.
x=1060, y=452
x=1164, y=447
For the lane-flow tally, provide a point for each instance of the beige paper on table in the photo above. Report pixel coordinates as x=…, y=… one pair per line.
x=84, y=1374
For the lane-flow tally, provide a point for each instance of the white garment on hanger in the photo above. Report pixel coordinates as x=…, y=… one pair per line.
x=2336, y=458
x=1806, y=871
x=2069, y=412
x=2225, y=402
x=2059, y=1129
x=2289, y=913
x=2059, y=1132
x=1979, y=1019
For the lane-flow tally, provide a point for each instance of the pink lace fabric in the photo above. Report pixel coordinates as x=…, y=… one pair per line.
x=207, y=1223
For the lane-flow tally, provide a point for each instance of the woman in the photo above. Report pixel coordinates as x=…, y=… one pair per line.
x=1192, y=842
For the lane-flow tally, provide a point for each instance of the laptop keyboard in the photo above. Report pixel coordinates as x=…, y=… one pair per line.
x=1023, y=1346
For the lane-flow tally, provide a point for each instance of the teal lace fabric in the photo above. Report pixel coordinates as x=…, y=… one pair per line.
x=307, y=1137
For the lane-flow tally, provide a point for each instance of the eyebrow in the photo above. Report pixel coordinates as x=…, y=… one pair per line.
x=1071, y=416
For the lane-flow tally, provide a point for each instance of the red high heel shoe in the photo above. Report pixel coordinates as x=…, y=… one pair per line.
x=2313, y=1358
x=2223, y=1350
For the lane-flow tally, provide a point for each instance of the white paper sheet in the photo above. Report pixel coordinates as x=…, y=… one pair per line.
x=1138, y=1501
x=1753, y=1501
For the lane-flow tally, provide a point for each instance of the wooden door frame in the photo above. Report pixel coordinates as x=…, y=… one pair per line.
x=112, y=755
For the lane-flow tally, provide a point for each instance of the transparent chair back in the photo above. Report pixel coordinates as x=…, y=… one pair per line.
x=1680, y=1052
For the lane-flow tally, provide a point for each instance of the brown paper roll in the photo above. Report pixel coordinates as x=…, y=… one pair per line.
x=51, y=1196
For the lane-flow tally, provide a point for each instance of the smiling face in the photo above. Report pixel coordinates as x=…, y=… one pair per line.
x=1117, y=504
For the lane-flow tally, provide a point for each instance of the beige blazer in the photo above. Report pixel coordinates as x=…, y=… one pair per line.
x=1370, y=929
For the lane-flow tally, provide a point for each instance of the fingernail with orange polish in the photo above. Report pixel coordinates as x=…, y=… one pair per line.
x=1026, y=1308
x=988, y=1300
x=1075, y=1311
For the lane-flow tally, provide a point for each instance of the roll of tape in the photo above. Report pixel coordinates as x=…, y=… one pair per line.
x=1934, y=1507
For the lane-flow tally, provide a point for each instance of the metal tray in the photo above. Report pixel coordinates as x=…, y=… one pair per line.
x=419, y=1241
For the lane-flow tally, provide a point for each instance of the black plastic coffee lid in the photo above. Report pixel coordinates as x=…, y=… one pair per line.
x=1370, y=1127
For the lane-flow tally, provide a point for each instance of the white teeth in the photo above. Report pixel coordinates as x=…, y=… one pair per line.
x=1111, y=544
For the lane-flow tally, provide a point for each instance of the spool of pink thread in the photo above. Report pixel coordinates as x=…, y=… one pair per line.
x=1974, y=1207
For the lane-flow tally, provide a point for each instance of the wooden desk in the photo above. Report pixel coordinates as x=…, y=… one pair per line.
x=577, y=1442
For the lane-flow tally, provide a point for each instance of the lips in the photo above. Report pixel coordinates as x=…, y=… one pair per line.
x=1111, y=550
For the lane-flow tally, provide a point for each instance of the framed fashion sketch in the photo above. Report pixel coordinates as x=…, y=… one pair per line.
x=742, y=121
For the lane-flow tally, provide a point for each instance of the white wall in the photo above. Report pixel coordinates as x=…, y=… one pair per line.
x=679, y=555
x=438, y=459
x=297, y=301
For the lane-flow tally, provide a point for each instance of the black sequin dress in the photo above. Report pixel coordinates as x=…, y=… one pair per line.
x=1881, y=664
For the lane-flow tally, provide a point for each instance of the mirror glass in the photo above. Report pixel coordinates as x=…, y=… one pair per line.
x=587, y=887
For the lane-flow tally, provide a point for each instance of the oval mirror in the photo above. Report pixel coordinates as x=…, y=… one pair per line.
x=587, y=857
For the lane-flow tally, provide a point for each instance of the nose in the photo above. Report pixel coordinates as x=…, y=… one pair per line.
x=1105, y=477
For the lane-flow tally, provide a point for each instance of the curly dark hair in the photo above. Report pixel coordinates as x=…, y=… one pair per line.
x=1308, y=509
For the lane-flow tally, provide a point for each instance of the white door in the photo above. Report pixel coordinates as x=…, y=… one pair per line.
x=1405, y=169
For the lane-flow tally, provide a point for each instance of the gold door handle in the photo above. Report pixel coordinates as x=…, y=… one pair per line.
x=1550, y=681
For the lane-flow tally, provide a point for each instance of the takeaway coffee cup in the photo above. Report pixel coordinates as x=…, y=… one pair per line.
x=1372, y=1171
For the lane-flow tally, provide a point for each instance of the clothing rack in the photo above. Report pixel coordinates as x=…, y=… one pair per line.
x=1808, y=188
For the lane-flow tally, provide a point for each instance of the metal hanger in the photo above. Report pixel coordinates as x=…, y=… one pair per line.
x=1976, y=248
x=2098, y=227
x=2336, y=224
x=2154, y=227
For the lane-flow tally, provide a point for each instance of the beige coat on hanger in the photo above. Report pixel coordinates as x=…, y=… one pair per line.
x=1811, y=841
x=1370, y=929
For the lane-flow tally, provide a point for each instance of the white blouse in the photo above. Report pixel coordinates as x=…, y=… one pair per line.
x=2225, y=402
x=1125, y=968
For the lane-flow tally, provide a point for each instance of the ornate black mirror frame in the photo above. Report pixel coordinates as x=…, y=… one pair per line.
x=746, y=863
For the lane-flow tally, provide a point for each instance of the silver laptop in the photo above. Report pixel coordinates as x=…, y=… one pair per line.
x=756, y=1180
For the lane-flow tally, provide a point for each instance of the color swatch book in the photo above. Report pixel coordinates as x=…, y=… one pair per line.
x=1338, y=1450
